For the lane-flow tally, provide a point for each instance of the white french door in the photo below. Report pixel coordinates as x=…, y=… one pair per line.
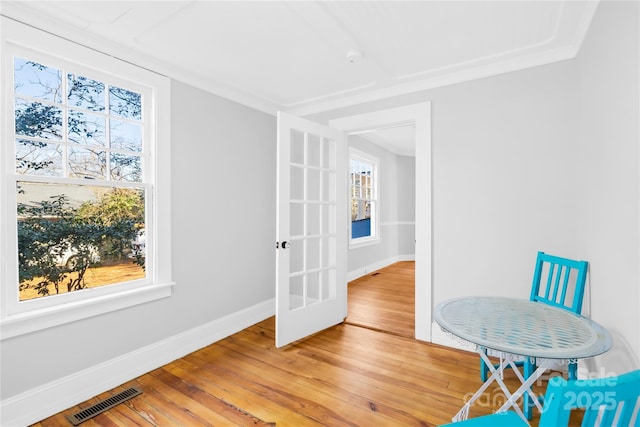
x=311, y=228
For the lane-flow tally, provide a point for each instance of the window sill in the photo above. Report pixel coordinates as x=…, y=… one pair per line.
x=24, y=323
x=361, y=243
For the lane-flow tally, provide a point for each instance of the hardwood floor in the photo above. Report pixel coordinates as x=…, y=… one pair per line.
x=347, y=375
x=384, y=300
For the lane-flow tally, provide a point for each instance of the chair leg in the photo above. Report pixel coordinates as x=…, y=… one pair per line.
x=572, y=371
x=484, y=370
x=529, y=368
x=527, y=403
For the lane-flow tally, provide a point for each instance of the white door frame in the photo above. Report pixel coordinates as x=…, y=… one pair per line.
x=420, y=116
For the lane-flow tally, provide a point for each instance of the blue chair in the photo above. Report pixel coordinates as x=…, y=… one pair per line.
x=610, y=401
x=559, y=282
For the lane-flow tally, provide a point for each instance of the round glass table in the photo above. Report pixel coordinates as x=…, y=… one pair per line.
x=517, y=327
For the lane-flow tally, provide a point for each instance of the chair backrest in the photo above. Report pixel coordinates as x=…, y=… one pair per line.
x=610, y=401
x=559, y=281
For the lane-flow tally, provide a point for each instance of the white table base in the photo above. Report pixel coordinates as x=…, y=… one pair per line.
x=506, y=360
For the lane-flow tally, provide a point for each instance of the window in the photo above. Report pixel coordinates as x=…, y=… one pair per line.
x=80, y=158
x=82, y=202
x=364, y=198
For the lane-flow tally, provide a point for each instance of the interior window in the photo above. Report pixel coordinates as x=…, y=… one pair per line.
x=364, y=202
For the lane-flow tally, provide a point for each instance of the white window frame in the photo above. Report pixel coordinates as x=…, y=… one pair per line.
x=374, y=238
x=22, y=317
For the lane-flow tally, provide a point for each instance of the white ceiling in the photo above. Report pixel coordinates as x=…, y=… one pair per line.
x=291, y=55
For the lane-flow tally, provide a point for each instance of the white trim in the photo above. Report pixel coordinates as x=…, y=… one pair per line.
x=20, y=12
x=501, y=64
x=38, y=320
x=362, y=242
x=420, y=115
x=374, y=236
x=46, y=313
x=455, y=75
x=48, y=399
x=368, y=269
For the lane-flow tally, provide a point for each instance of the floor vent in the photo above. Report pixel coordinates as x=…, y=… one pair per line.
x=103, y=405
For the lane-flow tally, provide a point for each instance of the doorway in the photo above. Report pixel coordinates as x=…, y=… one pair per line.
x=380, y=300
x=418, y=115
x=381, y=269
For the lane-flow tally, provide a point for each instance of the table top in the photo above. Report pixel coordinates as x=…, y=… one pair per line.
x=522, y=327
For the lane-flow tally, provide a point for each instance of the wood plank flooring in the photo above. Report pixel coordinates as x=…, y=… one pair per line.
x=347, y=375
x=385, y=300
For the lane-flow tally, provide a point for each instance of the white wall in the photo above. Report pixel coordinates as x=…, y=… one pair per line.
x=540, y=159
x=609, y=135
x=397, y=212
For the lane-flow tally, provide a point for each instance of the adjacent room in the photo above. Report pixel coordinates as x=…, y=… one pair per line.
x=340, y=213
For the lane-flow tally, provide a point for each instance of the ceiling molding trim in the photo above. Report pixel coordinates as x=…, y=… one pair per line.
x=475, y=73
x=584, y=24
x=335, y=95
x=21, y=13
x=222, y=90
x=58, y=28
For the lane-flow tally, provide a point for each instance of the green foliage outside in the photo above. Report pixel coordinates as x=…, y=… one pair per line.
x=55, y=239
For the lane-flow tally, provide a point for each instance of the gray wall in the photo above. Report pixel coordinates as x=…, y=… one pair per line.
x=397, y=211
x=540, y=159
x=223, y=216
x=502, y=177
x=406, y=205
x=224, y=179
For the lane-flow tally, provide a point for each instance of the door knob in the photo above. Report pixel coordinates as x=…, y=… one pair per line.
x=286, y=245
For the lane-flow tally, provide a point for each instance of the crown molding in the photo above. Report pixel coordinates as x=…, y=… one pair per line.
x=21, y=12
x=457, y=74
x=465, y=75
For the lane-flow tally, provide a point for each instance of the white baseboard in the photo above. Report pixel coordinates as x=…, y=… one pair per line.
x=41, y=402
x=356, y=274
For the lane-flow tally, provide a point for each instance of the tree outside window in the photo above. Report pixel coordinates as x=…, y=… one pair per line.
x=79, y=159
x=85, y=200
